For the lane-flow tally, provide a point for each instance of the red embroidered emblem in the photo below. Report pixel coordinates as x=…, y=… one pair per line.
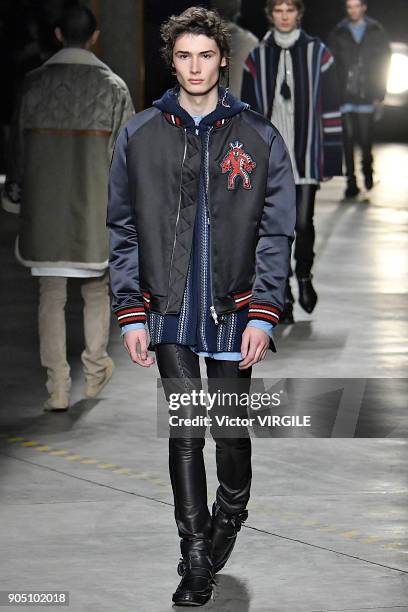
x=238, y=164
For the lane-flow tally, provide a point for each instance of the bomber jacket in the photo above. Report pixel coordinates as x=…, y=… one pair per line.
x=250, y=195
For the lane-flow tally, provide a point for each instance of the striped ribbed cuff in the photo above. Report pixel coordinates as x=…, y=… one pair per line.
x=133, y=314
x=264, y=312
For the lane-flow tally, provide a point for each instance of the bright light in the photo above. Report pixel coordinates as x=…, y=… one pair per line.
x=398, y=74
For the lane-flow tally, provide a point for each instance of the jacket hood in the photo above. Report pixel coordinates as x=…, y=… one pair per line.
x=371, y=23
x=168, y=103
x=303, y=39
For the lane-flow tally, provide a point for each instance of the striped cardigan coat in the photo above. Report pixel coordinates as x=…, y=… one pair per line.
x=318, y=125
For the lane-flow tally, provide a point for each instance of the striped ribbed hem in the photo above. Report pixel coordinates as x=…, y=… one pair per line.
x=146, y=299
x=134, y=314
x=264, y=312
x=332, y=123
x=242, y=299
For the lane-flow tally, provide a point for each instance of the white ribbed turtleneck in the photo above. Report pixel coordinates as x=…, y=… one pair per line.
x=286, y=39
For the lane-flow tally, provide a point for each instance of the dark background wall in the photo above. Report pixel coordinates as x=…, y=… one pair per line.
x=321, y=16
x=131, y=30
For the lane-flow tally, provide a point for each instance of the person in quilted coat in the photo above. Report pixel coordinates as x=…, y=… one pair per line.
x=69, y=114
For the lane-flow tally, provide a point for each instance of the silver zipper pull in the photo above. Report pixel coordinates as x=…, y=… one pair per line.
x=214, y=314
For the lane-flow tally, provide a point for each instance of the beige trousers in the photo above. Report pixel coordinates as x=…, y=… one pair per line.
x=52, y=329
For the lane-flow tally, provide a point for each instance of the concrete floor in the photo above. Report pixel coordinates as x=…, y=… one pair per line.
x=86, y=501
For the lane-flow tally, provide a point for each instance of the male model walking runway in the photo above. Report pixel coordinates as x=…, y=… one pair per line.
x=201, y=218
x=290, y=79
x=362, y=53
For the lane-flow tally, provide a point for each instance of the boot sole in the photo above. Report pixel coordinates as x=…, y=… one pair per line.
x=190, y=604
x=48, y=409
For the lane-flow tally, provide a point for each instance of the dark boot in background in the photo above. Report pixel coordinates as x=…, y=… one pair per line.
x=307, y=294
x=368, y=181
x=352, y=190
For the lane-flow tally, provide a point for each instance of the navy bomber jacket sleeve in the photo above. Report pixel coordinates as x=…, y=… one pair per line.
x=127, y=301
x=276, y=235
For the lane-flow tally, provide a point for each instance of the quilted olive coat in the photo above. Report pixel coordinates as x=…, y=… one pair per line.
x=69, y=114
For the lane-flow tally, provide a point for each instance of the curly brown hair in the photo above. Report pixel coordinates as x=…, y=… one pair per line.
x=298, y=4
x=195, y=20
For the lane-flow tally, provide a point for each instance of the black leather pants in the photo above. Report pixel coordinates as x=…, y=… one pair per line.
x=358, y=128
x=186, y=462
x=305, y=231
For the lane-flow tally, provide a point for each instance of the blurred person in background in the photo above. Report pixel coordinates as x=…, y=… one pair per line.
x=362, y=53
x=290, y=79
x=69, y=113
x=27, y=40
x=242, y=41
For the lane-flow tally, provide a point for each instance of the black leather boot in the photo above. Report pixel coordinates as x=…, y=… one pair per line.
x=287, y=312
x=368, y=181
x=225, y=529
x=352, y=190
x=196, y=569
x=307, y=294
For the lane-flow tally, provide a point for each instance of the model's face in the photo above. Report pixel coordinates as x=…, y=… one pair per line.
x=197, y=61
x=284, y=17
x=355, y=10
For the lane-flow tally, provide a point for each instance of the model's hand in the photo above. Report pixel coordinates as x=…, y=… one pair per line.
x=254, y=346
x=326, y=179
x=135, y=342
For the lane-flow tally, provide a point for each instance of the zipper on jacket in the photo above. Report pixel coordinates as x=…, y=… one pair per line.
x=177, y=219
x=207, y=181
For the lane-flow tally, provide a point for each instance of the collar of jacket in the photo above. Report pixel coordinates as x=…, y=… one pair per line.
x=175, y=114
x=75, y=55
x=371, y=24
x=304, y=39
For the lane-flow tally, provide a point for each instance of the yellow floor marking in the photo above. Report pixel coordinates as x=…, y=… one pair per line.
x=349, y=534
x=371, y=539
x=142, y=475
x=285, y=516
